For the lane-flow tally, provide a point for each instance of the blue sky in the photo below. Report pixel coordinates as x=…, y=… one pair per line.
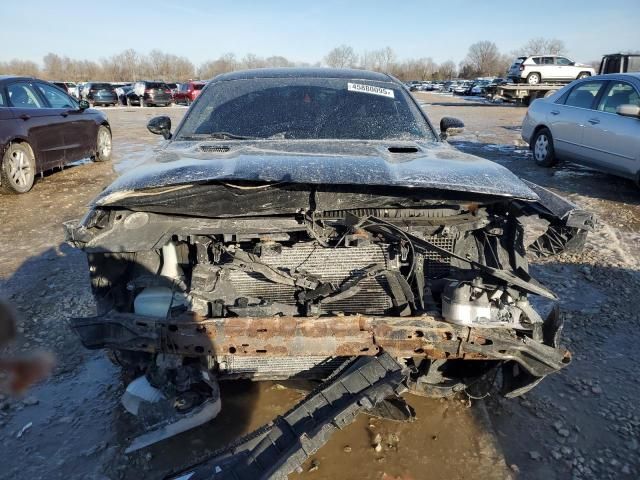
x=306, y=31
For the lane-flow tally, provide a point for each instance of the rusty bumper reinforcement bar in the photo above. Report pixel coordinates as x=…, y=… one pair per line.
x=353, y=335
x=282, y=446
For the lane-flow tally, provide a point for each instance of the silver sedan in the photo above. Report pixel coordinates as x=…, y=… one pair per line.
x=594, y=122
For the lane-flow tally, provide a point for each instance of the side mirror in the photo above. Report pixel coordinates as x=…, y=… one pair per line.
x=450, y=126
x=160, y=126
x=628, y=110
x=83, y=105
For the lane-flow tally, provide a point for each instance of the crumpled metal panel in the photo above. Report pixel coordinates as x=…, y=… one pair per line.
x=434, y=166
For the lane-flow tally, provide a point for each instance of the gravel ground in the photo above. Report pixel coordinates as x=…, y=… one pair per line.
x=581, y=423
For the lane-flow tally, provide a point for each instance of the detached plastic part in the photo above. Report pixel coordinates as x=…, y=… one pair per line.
x=147, y=402
x=281, y=447
x=138, y=391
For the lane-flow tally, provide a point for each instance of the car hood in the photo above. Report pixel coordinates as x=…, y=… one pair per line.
x=421, y=165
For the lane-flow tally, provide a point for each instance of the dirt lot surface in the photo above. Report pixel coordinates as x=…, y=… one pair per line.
x=581, y=423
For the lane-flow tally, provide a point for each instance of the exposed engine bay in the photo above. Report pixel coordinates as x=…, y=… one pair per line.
x=442, y=285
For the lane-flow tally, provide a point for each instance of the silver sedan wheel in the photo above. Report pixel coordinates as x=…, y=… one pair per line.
x=541, y=148
x=104, y=143
x=20, y=170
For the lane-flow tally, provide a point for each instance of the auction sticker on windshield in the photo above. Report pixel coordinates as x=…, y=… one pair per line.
x=359, y=87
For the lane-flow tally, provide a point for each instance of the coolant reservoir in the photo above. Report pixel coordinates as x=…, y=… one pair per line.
x=153, y=302
x=156, y=301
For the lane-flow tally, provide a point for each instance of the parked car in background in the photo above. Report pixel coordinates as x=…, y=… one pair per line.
x=123, y=93
x=620, y=63
x=461, y=88
x=548, y=68
x=449, y=86
x=100, y=94
x=146, y=94
x=594, y=122
x=42, y=127
x=173, y=87
x=479, y=87
x=188, y=92
x=492, y=88
x=68, y=87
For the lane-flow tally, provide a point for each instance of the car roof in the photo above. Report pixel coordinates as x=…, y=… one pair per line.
x=617, y=76
x=16, y=77
x=311, y=72
x=544, y=55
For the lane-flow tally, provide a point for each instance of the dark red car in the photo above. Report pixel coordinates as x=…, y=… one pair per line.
x=188, y=92
x=42, y=127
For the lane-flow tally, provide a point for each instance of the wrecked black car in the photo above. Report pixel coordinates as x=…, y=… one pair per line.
x=297, y=218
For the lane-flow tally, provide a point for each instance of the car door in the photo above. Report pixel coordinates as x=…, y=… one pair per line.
x=548, y=68
x=568, y=116
x=564, y=69
x=43, y=127
x=79, y=131
x=613, y=141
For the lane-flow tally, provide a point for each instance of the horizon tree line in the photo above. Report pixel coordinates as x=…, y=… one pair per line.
x=483, y=59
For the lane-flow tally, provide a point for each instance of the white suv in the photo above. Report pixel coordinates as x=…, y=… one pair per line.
x=536, y=69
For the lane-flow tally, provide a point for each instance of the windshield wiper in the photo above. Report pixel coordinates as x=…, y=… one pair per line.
x=216, y=135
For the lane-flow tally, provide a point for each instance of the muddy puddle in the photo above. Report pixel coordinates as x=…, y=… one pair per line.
x=73, y=427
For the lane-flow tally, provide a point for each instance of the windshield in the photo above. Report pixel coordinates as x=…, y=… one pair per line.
x=157, y=85
x=305, y=108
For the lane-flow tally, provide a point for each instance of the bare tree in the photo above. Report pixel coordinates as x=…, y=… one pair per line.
x=483, y=58
x=387, y=59
x=425, y=68
x=341, y=57
x=25, y=68
x=225, y=63
x=53, y=67
x=543, y=46
x=277, y=61
x=447, y=70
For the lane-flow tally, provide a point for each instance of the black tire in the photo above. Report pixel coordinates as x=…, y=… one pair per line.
x=18, y=169
x=582, y=75
x=103, y=145
x=542, y=148
x=534, y=78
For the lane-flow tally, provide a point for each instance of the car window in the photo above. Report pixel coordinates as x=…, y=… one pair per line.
x=198, y=86
x=618, y=93
x=2, y=102
x=584, y=94
x=537, y=60
x=101, y=86
x=306, y=108
x=22, y=95
x=55, y=97
x=633, y=64
x=547, y=60
x=563, y=61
